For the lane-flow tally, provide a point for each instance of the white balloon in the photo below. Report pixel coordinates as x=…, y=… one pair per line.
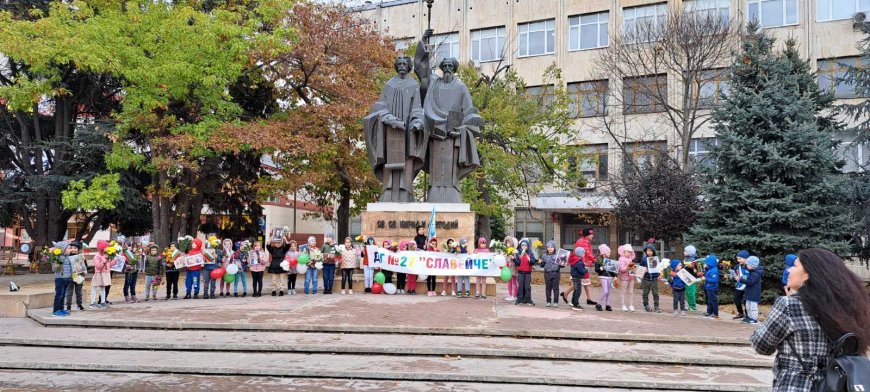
x=301, y=268
x=232, y=269
x=285, y=265
x=318, y=265
x=389, y=288
x=422, y=278
x=499, y=260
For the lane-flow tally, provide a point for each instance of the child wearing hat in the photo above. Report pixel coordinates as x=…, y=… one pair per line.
x=789, y=262
x=690, y=262
x=678, y=287
x=525, y=261
x=650, y=281
x=626, y=280
x=464, y=281
x=711, y=286
x=753, y=288
x=62, y=275
x=578, y=271
x=154, y=269
x=550, y=261
x=480, y=281
x=607, y=270
x=740, y=286
x=79, y=269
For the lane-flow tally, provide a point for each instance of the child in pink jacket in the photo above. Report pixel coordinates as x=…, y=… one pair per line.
x=626, y=281
x=102, y=276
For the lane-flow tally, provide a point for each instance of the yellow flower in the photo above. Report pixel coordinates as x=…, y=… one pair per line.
x=538, y=244
x=56, y=252
x=511, y=250
x=359, y=237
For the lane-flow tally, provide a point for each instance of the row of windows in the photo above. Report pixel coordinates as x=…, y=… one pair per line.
x=648, y=94
x=590, y=31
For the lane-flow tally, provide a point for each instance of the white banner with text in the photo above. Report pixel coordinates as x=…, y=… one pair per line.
x=433, y=263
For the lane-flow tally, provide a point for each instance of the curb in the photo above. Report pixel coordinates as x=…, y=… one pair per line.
x=372, y=329
x=405, y=351
x=387, y=375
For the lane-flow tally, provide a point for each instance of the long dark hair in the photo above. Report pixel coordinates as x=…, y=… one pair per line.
x=835, y=297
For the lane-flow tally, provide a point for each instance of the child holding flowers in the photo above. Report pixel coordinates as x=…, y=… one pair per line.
x=225, y=258
x=131, y=273
x=101, y=274
x=240, y=259
x=329, y=257
x=348, y=261
x=172, y=272
x=314, y=256
x=510, y=244
x=292, y=273
x=154, y=268
x=79, y=269
x=60, y=265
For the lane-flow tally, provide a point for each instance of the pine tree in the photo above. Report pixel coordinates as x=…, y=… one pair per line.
x=775, y=187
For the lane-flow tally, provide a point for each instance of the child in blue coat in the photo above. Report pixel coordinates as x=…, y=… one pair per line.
x=789, y=262
x=753, y=289
x=711, y=286
x=678, y=287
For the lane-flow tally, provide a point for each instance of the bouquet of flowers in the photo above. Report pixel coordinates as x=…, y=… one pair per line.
x=360, y=238
x=155, y=284
x=497, y=246
x=537, y=244
x=214, y=242
x=316, y=255
x=53, y=255
x=78, y=278
x=511, y=251
x=185, y=243
x=246, y=246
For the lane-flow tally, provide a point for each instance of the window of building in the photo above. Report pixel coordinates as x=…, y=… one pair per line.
x=710, y=86
x=588, y=31
x=827, y=10
x=537, y=38
x=531, y=224
x=643, y=23
x=645, y=94
x=709, y=9
x=832, y=72
x=446, y=45
x=594, y=168
x=402, y=43
x=773, y=13
x=639, y=155
x=855, y=155
x=487, y=44
x=699, y=150
x=588, y=99
x=543, y=94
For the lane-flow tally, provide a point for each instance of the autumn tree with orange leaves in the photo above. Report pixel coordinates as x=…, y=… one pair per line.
x=327, y=82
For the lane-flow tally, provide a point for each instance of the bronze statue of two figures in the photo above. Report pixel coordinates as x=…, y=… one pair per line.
x=428, y=126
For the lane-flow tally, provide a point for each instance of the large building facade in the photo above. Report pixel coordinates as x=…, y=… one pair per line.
x=530, y=35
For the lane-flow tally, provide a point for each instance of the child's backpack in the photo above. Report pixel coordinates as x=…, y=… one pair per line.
x=846, y=371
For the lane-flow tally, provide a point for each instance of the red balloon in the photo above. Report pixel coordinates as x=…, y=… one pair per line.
x=293, y=262
x=377, y=288
x=217, y=273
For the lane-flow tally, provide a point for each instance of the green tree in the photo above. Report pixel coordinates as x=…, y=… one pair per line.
x=774, y=188
x=528, y=143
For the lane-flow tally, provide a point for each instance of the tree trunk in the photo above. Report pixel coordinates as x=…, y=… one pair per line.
x=483, y=225
x=343, y=212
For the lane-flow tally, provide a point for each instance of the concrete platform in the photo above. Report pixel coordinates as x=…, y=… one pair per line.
x=16, y=304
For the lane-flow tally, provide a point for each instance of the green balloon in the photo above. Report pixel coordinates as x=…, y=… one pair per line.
x=380, y=278
x=303, y=258
x=505, y=273
x=229, y=278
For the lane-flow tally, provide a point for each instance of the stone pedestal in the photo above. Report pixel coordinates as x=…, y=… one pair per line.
x=398, y=221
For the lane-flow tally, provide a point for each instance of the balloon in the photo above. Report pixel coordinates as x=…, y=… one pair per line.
x=422, y=278
x=377, y=288
x=499, y=260
x=293, y=262
x=380, y=277
x=390, y=288
x=229, y=278
x=318, y=265
x=505, y=274
x=303, y=258
x=301, y=268
x=232, y=269
x=217, y=273
x=285, y=265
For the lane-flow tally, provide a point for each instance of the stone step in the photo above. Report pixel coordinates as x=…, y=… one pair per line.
x=386, y=367
x=14, y=332
x=82, y=381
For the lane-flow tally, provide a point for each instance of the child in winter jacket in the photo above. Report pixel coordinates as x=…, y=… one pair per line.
x=62, y=274
x=753, y=289
x=678, y=287
x=172, y=274
x=349, y=257
x=525, y=261
x=578, y=272
x=551, y=274
x=512, y=284
x=293, y=272
x=789, y=262
x=650, y=281
x=711, y=286
x=690, y=261
x=154, y=270
x=626, y=280
x=607, y=270
x=79, y=269
x=480, y=281
x=737, y=274
x=257, y=262
x=369, y=271
x=102, y=264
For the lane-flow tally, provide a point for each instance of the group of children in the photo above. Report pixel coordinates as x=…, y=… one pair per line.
x=280, y=260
